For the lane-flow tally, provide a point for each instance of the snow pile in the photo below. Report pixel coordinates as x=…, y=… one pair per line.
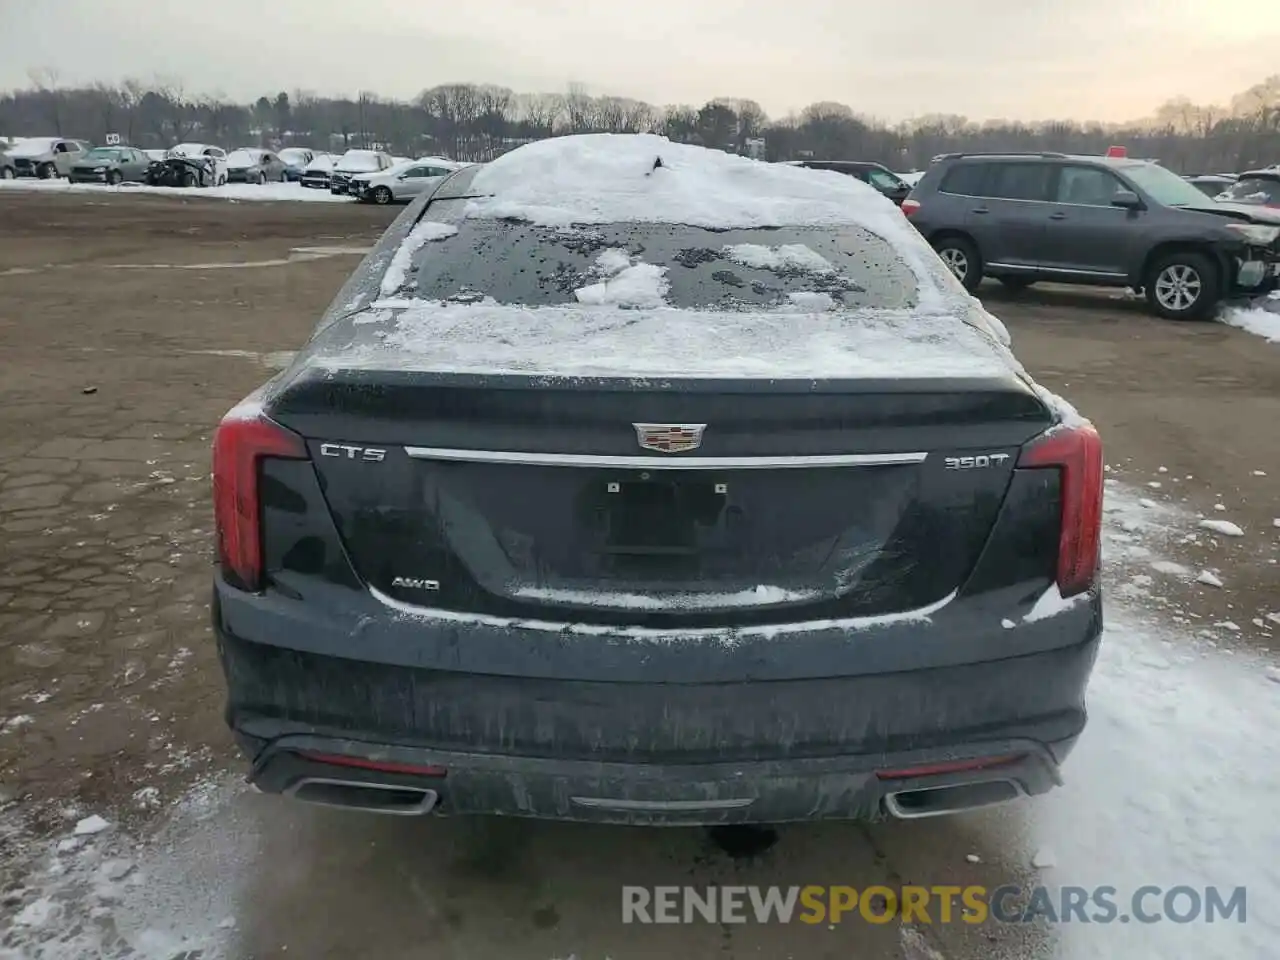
x=230, y=191
x=640, y=285
x=590, y=340
x=1254, y=320
x=611, y=178
x=423, y=233
x=1224, y=527
x=789, y=256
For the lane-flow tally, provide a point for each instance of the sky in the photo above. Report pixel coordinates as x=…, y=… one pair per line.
x=1108, y=60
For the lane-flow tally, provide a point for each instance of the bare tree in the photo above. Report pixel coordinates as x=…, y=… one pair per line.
x=580, y=109
x=45, y=81
x=539, y=112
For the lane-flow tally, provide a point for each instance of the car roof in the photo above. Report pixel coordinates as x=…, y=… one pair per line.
x=647, y=178
x=1267, y=174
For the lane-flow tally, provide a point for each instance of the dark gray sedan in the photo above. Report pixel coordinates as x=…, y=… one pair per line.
x=251, y=165
x=111, y=165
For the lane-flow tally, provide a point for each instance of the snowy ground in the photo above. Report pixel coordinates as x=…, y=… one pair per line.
x=1174, y=783
x=1257, y=320
x=231, y=191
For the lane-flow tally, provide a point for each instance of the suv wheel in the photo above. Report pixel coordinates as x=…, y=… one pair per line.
x=962, y=259
x=383, y=196
x=46, y=171
x=1183, y=286
x=6, y=173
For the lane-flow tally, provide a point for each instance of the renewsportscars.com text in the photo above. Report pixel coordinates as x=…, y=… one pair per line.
x=929, y=905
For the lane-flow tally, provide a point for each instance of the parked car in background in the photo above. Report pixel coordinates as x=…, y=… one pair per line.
x=402, y=182
x=875, y=174
x=215, y=159
x=1257, y=187
x=252, y=165
x=801, y=584
x=356, y=161
x=911, y=179
x=318, y=171
x=1105, y=221
x=111, y=165
x=296, y=160
x=43, y=157
x=1211, y=184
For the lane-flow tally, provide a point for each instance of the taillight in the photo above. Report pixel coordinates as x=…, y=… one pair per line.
x=1076, y=452
x=910, y=206
x=243, y=438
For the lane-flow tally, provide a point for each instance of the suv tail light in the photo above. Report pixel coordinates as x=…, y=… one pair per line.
x=1075, y=451
x=243, y=438
x=910, y=206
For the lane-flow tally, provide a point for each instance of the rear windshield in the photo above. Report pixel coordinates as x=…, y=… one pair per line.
x=104, y=153
x=1258, y=190
x=243, y=158
x=519, y=263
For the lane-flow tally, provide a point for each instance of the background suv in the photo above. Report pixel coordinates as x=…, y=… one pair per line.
x=1095, y=220
x=43, y=157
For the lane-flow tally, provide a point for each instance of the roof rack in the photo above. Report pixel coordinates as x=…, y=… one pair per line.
x=1047, y=154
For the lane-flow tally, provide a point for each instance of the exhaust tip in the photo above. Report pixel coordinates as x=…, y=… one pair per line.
x=366, y=797
x=953, y=798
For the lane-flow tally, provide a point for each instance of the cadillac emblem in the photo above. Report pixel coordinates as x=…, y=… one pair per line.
x=669, y=437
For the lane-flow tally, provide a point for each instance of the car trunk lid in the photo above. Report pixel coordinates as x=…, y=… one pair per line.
x=587, y=499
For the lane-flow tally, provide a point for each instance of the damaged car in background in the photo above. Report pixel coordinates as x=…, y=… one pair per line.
x=634, y=482
x=177, y=171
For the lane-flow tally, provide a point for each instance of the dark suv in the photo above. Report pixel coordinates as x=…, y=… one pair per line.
x=1105, y=221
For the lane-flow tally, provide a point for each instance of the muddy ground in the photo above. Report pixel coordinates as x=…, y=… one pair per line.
x=128, y=325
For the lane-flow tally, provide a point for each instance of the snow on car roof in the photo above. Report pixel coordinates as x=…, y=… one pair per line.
x=616, y=178
x=33, y=146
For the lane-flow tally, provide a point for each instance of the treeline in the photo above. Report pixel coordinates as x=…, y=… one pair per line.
x=478, y=122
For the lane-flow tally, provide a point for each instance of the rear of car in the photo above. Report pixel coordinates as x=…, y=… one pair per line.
x=598, y=515
x=1023, y=218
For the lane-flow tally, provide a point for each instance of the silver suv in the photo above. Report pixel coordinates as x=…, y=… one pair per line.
x=1104, y=221
x=43, y=157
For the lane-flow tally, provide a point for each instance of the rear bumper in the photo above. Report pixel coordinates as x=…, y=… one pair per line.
x=635, y=749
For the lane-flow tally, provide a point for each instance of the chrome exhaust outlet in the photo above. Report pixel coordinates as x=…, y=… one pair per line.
x=367, y=797
x=951, y=798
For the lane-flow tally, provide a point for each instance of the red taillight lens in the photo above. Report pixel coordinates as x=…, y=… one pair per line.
x=382, y=766
x=910, y=206
x=1076, y=451
x=243, y=438
x=953, y=766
